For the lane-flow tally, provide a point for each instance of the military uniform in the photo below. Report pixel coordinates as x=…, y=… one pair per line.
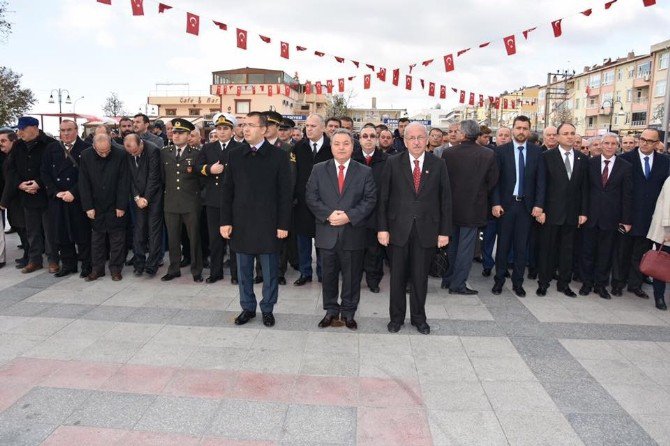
x=182, y=202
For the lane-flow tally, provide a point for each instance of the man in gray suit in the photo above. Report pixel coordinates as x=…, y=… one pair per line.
x=341, y=194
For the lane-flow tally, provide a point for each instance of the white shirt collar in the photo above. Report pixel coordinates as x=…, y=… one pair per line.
x=319, y=143
x=565, y=152
x=643, y=156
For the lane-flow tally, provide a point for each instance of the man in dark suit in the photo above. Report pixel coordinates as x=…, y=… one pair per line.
x=473, y=173
x=146, y=189
x=311, y=150
x=375, y=159
x=565, y=207
x=414, y=219
x=211, y=164
x=610, y=196
x=341, y=194
x=60, y=175
x=650, y=169
x=516, y=199
x=256, y=214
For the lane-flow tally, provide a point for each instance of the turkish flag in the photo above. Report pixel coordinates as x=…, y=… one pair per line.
x=431, y=89
x=319, y=90
x=138, y=7
x=484, y=45
x=455, y=90
x=425, y=63
x=449, y=62
x=162, y=7
x=340, y=85
x=443, y=92
x=461, y=98
x=241, y=39
x=192, y=24
x=253, y=90
x=505, y=104
x=587, y=12
x=472, y=99
x=284, y=50
x=287, y=90
x=510, y=44
x=423, y=84
x=222, y=26
x=329, y=86
x=481, y=100
x=355, y=62
x=105, y=2
x=308, y=88
x=411, y=67
x=396, y=76
x=497, y=102
x=319, y=53
x=372, y=67
x=300, y=48
x=461, y=52
x=648, y=2
x=528, y=31
x=239, y=91
x=381, y=75
x=269, y=90
x=556, y=25
x=366, y=82
x=339, y=59
x=265, y=39
x=609, y=4
x=408, y=82
x=278, y=90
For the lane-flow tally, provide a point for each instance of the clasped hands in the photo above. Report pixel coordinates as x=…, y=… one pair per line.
x=338, y=218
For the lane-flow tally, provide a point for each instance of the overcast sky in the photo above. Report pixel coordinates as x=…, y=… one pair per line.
x=92, y=49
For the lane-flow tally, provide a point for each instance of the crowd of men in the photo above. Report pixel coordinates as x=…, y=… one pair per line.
x=264, y=191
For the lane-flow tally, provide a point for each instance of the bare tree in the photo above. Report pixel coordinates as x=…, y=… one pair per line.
x=561, y=114
x=5, y=26
x=14, y=100
x=340, y=104
x=113, y=106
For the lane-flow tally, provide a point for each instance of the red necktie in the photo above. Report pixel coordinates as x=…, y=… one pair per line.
x=368, y=160
x=605, y=172
x=340, y=178
x=417, y=176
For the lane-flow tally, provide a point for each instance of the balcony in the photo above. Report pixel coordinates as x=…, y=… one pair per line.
x=639, y=123
x=642, y=81
x=640, y=105
x=593, y=91
x=592, y=111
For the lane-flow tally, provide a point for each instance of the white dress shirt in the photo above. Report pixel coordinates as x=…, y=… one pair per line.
x=411, y=161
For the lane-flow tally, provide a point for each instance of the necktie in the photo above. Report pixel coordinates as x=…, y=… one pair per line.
x=606, y=172
x=568, y=167
x=522, y=172
x=137, y=161
x=647, y=167
x=340, y=178
x=368, y=160
x=178, y=153
x=68, y=147
x=417, y=176
x=314, y=151
x=223, y=146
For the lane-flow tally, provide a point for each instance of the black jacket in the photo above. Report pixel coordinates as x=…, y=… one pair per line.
x=304, y=160
x=210, y=154
x=565, y=199
x=609, y=205
x=377, y=165
x=145, y=175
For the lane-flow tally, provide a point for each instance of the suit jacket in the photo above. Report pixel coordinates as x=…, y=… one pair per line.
x=565, y=199
x=400, y=206
x=358, y=200
x=377, y=165
x=256, y=198
x=146, y=174
x=304, y=161
x=210, y=154
x=645, y=191
x=533, y=185
x=610, y=205
x=181, y=191
x=473, y=173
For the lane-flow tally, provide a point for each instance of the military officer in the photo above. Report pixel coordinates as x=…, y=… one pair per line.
x=182, y=202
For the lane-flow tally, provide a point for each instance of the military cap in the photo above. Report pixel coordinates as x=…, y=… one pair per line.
x=182, y=125
x=26, y=121
x=273, y=117
x=287, y=123
x=225, y=119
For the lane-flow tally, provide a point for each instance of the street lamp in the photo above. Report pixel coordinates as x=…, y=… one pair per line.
x=60, y=92
x=611, y=107
x=74, y=105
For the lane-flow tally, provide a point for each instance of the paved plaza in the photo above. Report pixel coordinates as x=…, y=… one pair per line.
x=141, y=362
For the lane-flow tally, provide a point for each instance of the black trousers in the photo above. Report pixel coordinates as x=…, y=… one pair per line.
x=173, y=223
x=40, y=235
x=148, y=237
x=217, y=244
x=71, y=252
x=596, y=256
x=349, y=263
x=556, y=246
x=514, y=230
x=117, y=250
x=373, y=259
x=641, y=245
x=409, y=263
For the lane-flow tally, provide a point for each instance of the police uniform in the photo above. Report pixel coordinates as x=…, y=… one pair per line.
x=181, y=200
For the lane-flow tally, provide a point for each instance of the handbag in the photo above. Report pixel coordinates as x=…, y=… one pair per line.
x=656, y=264
x=440, y=263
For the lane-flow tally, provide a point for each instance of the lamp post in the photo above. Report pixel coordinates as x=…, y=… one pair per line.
x=74, y=105
x=611, y=107
x=60, y=92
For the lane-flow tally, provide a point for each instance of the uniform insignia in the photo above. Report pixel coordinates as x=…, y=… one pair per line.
x=293, y=157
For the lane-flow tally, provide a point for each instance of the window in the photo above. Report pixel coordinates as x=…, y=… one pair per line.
x=617, y=95
x=619, y=74
x=643, y=69
x=170, y=112
x=663, y=61
x=631, y=72
x=640, y=96
x=592, y=121
x=594, y=80
x=607, y=98
x=592, y=102
x=629, y=95
x=659, y=89
x=640, y=118
x=242, y=107
x=608, y=77
x=194, y=112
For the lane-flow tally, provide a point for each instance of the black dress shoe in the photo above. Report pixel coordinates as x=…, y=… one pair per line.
x=150, y=272
x=213, y=279
x=350, y=323
x=326, y=321
x=244, y=317
x=617, y=291
x=497, y=288
x=465, y=291
x=602, y=292
x=21, y=263
x=532, y=274
x=233, y=280
x=374, y=289
x=567, y=291
x=486, y=272
x=197, y=278
x=131, y=261
x=2, y=264
x=184, y=262
x=302, y=280
x=660, y=304
x=258, y=279
x=519, y=291
x=84, y=273
x=268, y=319
x=281, y=280
x=585, y=290
x=394, y=327
x=170, y=276
x=639, y=293
x=422, y=328
x=138, y=272
x=62, y=273
x=541, y=290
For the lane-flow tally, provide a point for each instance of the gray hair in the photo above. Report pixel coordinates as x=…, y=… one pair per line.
x=610, y=135
x=416, y=124
x=595, y=139
x=344, y=132
x=470, y=128
x=321, y=119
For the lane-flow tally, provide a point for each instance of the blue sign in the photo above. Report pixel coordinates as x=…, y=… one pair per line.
x=395, y=121
x=296, y=118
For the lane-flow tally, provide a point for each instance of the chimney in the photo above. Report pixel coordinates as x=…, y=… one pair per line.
x=631, y=54
x=374, y=103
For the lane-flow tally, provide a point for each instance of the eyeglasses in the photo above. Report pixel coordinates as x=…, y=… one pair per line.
x=648, y=141
x=368, y=136
x=415, y=138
